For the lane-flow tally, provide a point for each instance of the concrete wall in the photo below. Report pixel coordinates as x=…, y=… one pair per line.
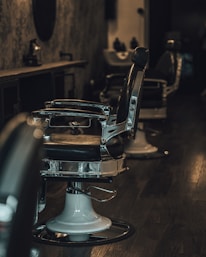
x=80, y=29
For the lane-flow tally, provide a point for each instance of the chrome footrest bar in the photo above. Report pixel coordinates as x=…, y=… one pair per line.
x=87, y=192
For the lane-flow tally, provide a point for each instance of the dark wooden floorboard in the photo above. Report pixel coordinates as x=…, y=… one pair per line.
x=164, y=199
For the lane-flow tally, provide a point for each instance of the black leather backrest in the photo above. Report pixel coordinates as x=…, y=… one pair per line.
x=140, y=60
x=20, y=158
x=167, y=63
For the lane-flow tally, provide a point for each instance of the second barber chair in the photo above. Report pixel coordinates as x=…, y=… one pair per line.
x=159, y=83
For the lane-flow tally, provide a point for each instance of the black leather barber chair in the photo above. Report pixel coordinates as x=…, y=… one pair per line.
x=20, y=159
x=159, y=84
x=80, y=154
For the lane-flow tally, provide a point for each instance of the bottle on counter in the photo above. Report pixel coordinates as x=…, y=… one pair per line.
x=117, y=44
x=134, y=43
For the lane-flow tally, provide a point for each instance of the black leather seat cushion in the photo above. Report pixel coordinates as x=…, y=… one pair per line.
x=80, y=147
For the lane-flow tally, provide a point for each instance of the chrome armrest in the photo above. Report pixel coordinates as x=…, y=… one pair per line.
x=71, y=103
x=47, y=115
x=155, y=80
x=158, y=83
x=168, y=89
x=108, y=123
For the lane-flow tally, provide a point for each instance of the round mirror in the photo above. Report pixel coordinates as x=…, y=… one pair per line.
x=44, y=13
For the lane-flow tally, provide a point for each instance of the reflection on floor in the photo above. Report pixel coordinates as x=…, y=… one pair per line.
x=164, y=199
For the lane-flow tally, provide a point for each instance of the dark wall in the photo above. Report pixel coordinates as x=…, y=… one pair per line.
x=189, y=18
x=159, y=23
x=80, y=29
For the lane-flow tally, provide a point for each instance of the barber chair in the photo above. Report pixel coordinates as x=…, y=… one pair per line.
x=83, y=144
x=159, y=83
x=20, y=158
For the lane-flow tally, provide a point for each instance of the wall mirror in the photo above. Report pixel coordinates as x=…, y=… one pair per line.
x=44, y=14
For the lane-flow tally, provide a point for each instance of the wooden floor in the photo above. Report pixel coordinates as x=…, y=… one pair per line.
x=164, y=199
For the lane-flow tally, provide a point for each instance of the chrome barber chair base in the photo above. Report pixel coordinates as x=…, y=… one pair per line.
x=139, y=148
x=80, y=224
x=119, y=230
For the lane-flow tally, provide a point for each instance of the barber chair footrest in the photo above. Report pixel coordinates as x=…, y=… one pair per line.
x=119, y=230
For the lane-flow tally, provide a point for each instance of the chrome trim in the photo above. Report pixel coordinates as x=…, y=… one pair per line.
x=103, y=168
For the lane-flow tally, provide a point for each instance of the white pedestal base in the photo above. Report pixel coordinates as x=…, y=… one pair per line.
x=78, y=219
x=140, y=145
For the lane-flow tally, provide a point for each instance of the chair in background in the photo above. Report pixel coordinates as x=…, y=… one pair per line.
x=84, y=144
x=159, y=83
x=20, y=158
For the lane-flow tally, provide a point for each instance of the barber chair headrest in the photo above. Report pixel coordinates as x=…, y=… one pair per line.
x=172, y=44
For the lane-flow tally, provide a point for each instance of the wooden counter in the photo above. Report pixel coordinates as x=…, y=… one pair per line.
x=36, y=70
x=27, y=88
